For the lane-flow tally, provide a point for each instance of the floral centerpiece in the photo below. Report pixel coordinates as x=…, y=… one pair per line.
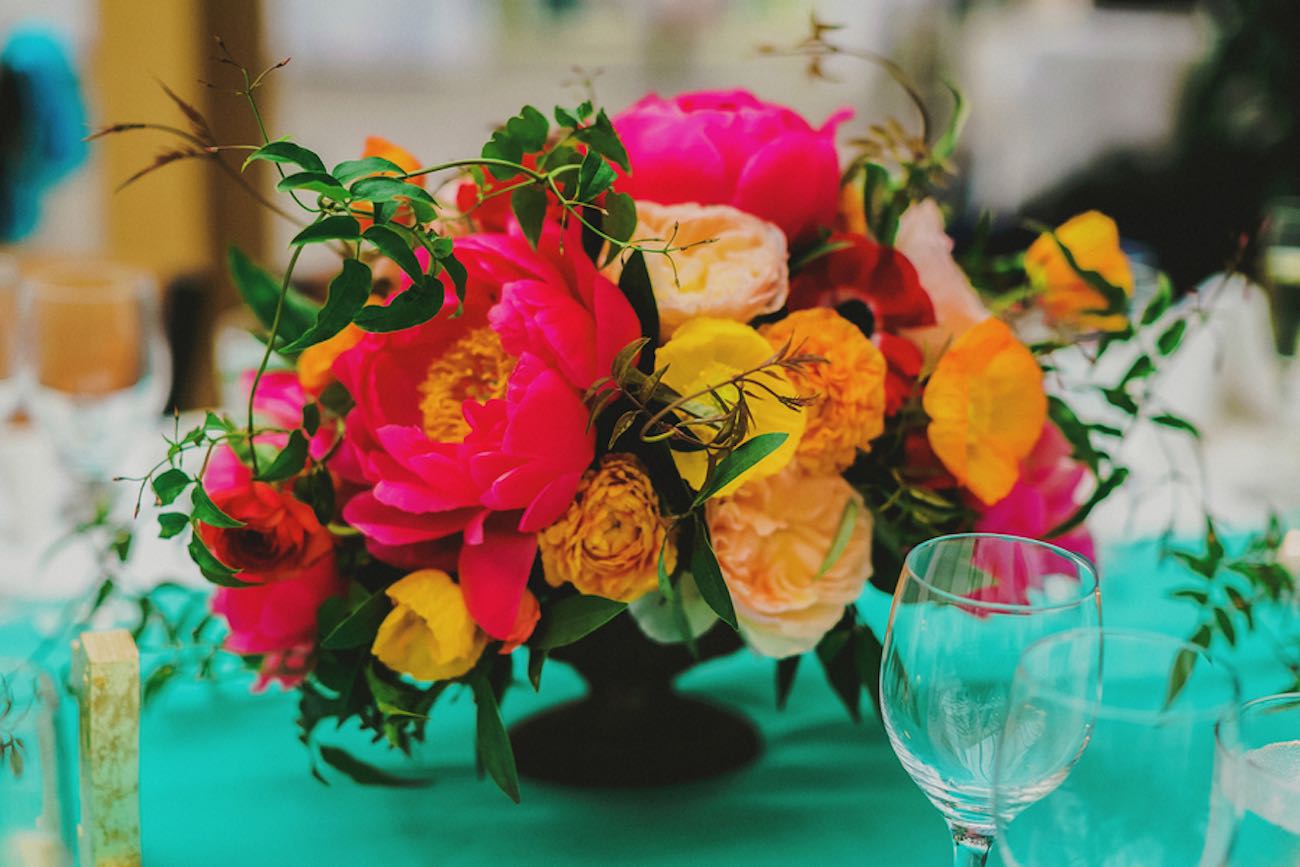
x=696, y=366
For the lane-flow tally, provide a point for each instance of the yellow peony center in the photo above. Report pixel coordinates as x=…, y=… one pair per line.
x=475, y=367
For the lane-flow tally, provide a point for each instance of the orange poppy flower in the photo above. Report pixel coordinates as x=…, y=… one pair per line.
x=987, y=408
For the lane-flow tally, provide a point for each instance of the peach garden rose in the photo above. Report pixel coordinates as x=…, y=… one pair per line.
x=772, y=539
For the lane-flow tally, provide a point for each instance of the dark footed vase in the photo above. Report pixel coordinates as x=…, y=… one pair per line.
x=632, y=729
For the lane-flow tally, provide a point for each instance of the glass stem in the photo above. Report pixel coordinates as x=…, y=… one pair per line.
x=970, y=848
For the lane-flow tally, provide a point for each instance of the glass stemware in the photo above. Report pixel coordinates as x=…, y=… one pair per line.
x=965, y=608
x=35, y=826
x=1107, y=754
x=1281, y=248
x=1258, y=776
x=97, y=360
x=10, y=386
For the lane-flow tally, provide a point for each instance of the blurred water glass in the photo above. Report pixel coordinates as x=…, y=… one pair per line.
x=1258, y=775
x=1122, y=724
x=36, y=829
x=1280, y=243
x=97, y=361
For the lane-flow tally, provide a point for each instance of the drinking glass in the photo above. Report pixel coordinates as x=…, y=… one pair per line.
x=1281, y=248
x=35, y=828
x=1258, y=776
x=965, y=608
x=1118, y=727
x=97, y=360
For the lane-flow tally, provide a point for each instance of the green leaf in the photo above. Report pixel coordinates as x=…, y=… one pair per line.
x=839, y=662
x=536, y=659
x=393, y=244
x=316, y=182
x=1118, y=397
x=367, y=774
x=1141, y=369
x=708, y=575
x=336, y=227
x=289, y=462
x=1200, y=597
x=261, y=292
x=167, y=486
x=208, y=512
x=286, y=152
x=459, y=277
x=1225, y=626
x=212, y=568
x=1115, y=296
x=529, y=204
x=1168, y=342
x=594, y=177
x=744, y=456
x=502, y=147
x=785, y=672
x=172, y=524
x=1159, y=302
x=529, y=128
x=1177, y=423
x=574, y=618
x=843, y=532
x=1075, y=432
x=311, y=418
x=946, y=145
x=415, y=306
x=1104, y=490
x=1184, y=662
x=620, y=217
x=350, y=170
x=602, y=138
x=494, y=748
x=634, y=283
x=316, y=489
x=358, y=628
x=381, y=189
x=347, y=295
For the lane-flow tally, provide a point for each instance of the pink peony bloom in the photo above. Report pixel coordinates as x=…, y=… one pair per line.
x=505, y=459
x=1051, y=487
x=730, y=148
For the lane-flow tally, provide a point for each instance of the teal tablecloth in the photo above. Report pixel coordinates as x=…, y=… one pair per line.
x=224, y=780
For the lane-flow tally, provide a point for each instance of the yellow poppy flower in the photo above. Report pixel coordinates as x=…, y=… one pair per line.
x=706, y=352
x=429, y=634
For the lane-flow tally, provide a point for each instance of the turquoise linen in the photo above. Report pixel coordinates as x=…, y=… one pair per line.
x=224, y=780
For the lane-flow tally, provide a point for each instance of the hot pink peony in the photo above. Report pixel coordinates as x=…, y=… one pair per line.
x=730, y=148
x=475, y=425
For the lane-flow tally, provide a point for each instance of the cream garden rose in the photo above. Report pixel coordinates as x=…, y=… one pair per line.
x=742, y=271
x=772, y=539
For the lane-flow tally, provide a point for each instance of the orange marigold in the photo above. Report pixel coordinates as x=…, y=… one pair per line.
x=849, y=411
x=1093, y=240
x=608, y=542
x=987, y=408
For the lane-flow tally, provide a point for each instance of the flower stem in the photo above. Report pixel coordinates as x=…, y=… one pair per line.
x=270, y=347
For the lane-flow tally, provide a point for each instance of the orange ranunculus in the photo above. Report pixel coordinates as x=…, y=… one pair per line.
x=987, y=408
x=316, y=363
x=1066, y=298
x=849, y=410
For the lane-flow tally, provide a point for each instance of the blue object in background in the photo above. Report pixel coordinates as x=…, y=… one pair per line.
x=42, y=125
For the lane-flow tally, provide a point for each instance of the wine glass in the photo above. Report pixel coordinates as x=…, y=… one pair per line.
x=965, y=608
x=35, y=789
x=1107, y=754
x=97, y=361
x=1258, y=776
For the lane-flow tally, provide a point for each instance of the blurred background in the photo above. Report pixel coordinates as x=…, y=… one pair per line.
x=1180, y=118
